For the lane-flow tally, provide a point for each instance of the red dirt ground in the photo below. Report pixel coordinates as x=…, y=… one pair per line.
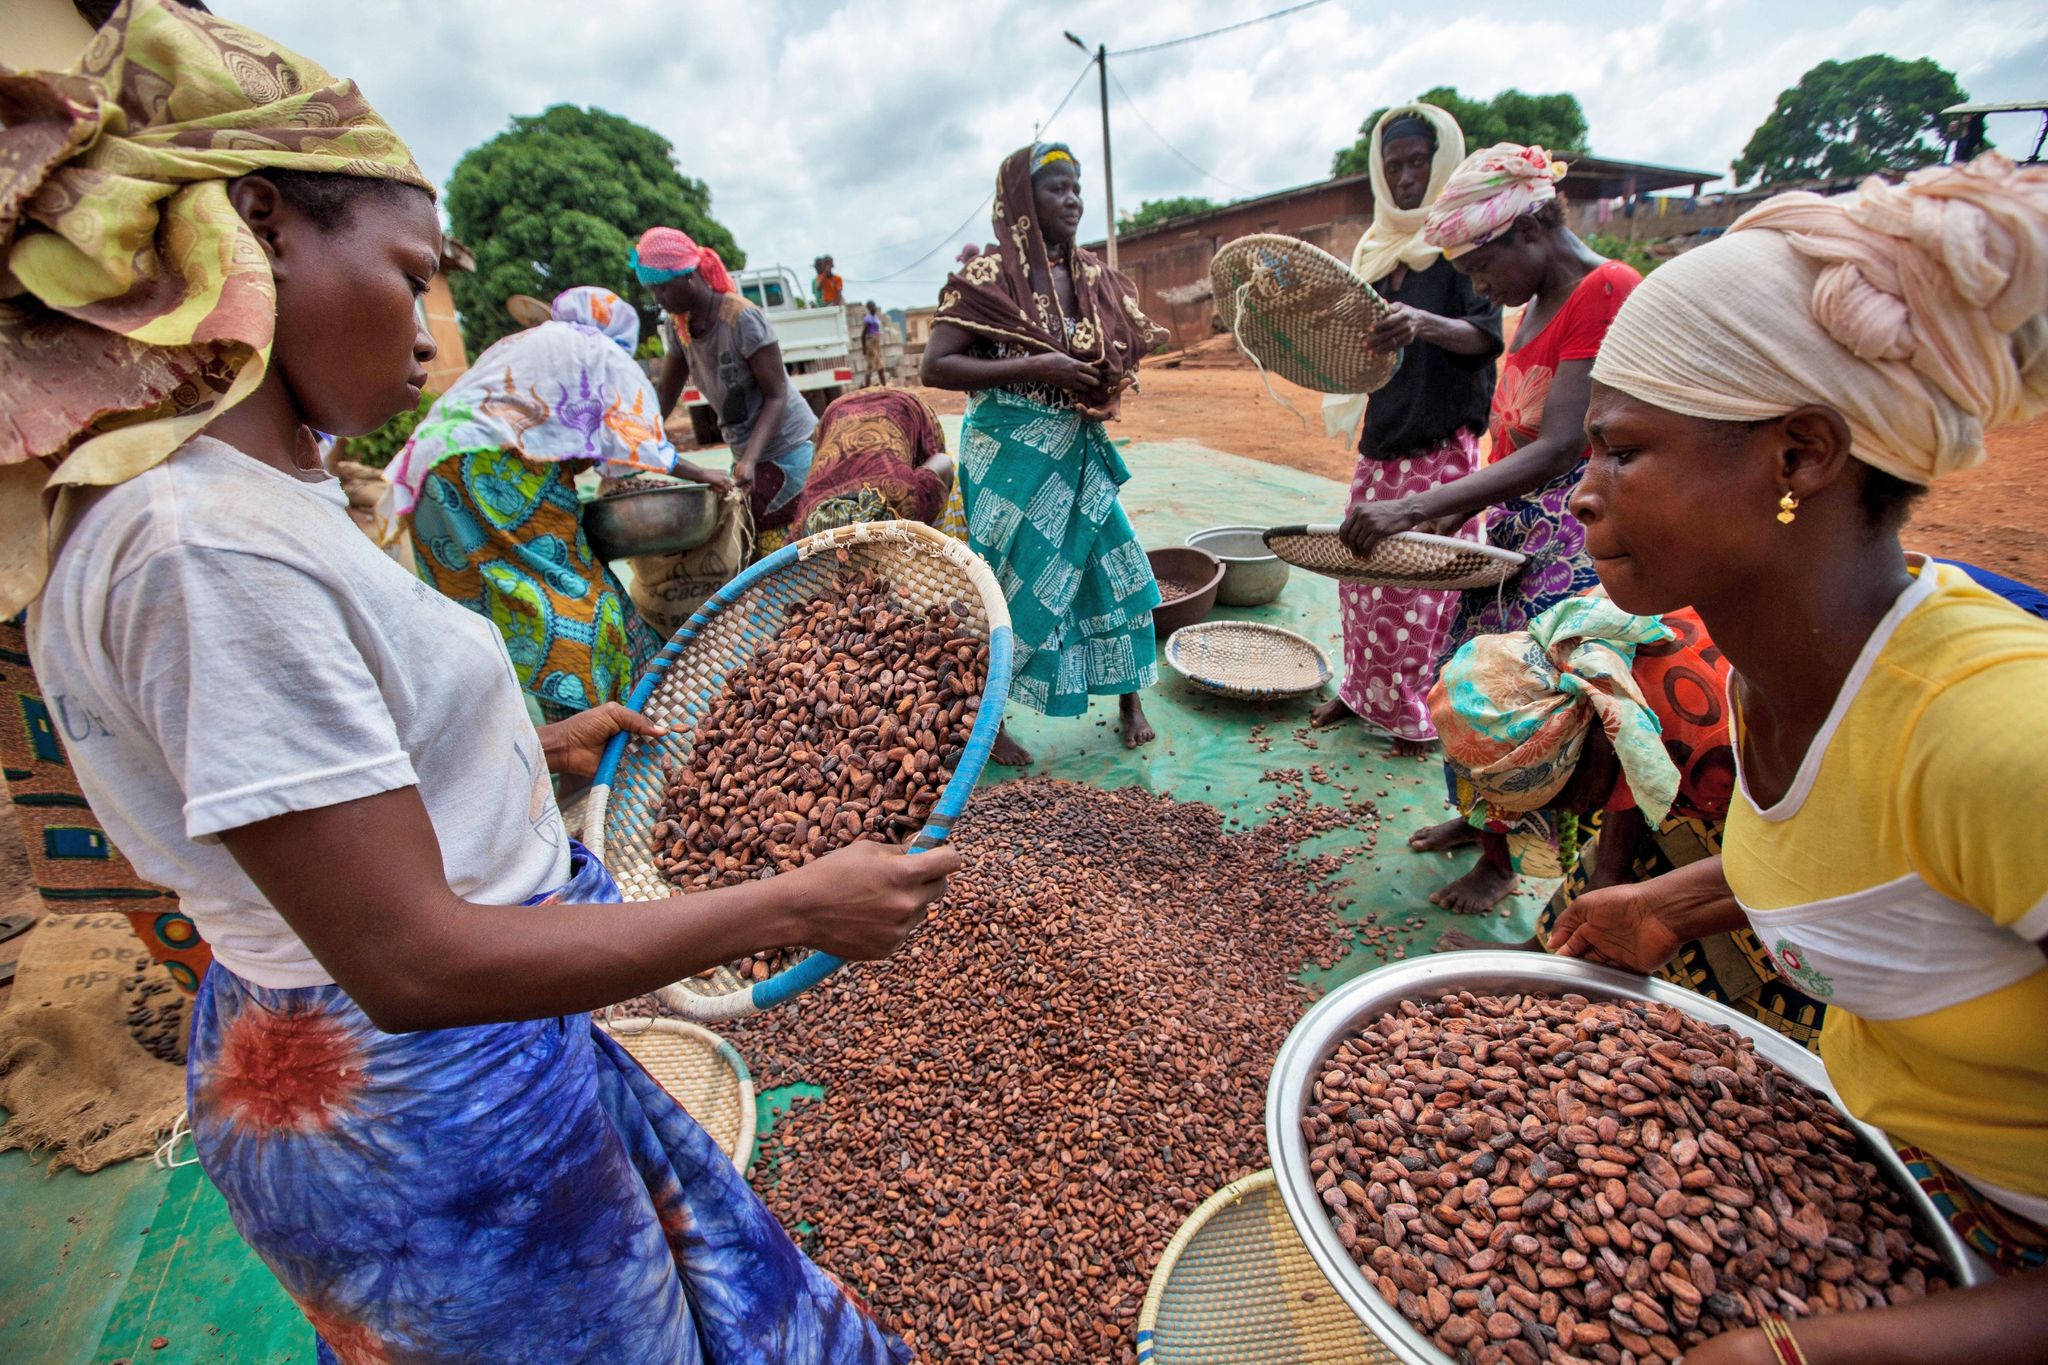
x=1992, y=515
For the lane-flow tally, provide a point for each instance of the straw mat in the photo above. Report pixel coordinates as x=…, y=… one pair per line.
x=1411, y=559
x=1301, y=313
x=1247, y=660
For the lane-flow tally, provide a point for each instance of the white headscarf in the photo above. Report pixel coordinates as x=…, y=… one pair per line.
x=1395, y=235
x=1919, y=311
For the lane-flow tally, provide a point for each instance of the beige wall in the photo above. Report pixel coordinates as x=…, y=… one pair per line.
x=450, y=360
x=42, y=35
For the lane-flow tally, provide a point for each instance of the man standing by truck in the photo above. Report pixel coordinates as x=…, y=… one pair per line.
x=871, y=347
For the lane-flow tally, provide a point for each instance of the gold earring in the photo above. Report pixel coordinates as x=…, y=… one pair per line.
x=1788, y=509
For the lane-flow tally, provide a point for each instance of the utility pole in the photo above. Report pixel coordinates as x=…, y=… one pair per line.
x=1101, y=56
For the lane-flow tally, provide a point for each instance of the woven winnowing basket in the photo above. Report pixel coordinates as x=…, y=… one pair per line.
x=703, y=1073
x=1247, y=660
x=1411, y=559
x=925, y=568
x=1236, y=1286
x=1301, y=313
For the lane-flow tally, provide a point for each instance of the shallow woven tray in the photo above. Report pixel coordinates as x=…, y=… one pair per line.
x=925, y=568
x=1412, y=559
x=1302, y=313
x=1247, y=660
x=705, y=1074
x=1236, y=1286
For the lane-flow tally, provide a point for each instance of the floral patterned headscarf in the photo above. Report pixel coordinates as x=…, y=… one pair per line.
x=1488, y=193
x=1006, y=294
x=135, y=305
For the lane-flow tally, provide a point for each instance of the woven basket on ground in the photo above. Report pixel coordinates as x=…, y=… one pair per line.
x=1301, y=313
x=1236, y=1286
x=924, y=568
x=704, y=1074
x=1411, y=559
x=1247, y=660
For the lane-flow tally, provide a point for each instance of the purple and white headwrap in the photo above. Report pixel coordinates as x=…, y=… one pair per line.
x=600, y=310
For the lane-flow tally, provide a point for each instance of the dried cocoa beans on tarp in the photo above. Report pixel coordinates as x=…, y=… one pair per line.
x=1023, y=1106
x=1535, y=1178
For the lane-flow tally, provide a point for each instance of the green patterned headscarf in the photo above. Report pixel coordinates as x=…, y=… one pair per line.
x=135, y=305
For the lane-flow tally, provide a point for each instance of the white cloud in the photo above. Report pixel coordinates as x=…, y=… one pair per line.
x=870, y=129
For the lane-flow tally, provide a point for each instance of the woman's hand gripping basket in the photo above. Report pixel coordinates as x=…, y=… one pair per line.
x=924, y=569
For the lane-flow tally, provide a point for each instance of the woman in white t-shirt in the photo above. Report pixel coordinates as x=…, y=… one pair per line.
x=393, y=1079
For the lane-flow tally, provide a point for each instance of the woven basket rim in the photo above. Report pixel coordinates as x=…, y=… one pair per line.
x=1465, y=564
x=1334, y=335
x=1229, y=1196
x=624, y=1026
x=1228, y=688
x=816, y=966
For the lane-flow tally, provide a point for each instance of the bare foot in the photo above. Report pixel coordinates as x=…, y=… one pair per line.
x=1137, y=730
x=1458, y=941
x=1331, y=712
x=1477, y=892
x=1412, y=748
x=1008, y=753
x=1453, y=833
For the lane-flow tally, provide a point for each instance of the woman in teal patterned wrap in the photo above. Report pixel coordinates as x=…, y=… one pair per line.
x=1047, y=338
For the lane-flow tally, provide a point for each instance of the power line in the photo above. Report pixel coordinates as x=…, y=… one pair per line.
x=1132, y=105
x=1227, y=28
x=950, y=237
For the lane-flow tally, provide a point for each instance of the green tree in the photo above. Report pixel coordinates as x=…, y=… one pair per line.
x=1153, y=212
x=558, y=200
x=1875, y=113
x=1553, y=122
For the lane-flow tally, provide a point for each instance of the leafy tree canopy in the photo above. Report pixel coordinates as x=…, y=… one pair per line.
x=1155, y=211
x=558, y=200
x=1553, y=122
x=1875, y=113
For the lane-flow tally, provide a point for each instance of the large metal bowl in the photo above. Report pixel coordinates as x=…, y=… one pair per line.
x=1252, y=574
x=1348, y=1008
x=661, y=519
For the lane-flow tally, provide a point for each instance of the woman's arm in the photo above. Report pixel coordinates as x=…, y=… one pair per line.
x=948, y=364
x=1642, y=925
x=417, y=956
x=675, y=372
x=1558, y=445
x=773, y=382
x=1614, y=851
x=1404, y=325
x=1993, y=1324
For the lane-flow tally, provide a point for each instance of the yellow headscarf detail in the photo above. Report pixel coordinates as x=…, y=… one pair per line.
x=135, y=305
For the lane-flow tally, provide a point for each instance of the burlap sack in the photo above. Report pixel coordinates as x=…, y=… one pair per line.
x=668, y=588
x=73, y=1075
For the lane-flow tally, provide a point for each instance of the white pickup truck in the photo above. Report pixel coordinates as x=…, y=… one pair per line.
x=817, y=347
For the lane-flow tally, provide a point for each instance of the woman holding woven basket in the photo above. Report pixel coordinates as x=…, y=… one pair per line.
x=1500, y=224
x=1763, y=414
x=393, y=1079
x=1420, y=429
x=1047, y=338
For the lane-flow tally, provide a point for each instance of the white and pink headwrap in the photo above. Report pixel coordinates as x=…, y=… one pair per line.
x=1487, y=193
x=1919, y=311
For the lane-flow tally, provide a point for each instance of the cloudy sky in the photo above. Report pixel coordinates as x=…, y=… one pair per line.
x=871, y=130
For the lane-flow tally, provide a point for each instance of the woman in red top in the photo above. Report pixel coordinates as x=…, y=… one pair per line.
x=1500, y=224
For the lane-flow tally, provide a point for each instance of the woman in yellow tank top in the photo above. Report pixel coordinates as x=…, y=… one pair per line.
x=1764, y=411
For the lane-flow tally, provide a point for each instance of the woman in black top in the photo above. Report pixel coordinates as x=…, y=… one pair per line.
x=1421, y=430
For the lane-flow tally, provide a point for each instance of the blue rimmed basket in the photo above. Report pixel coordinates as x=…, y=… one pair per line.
x=925, y=568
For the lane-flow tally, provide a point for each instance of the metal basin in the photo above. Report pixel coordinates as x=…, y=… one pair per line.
x=1343, y=1011
x=658, y=520
x=1252, y=574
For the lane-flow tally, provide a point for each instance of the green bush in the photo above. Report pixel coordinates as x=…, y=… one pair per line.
x=650, y=347
x=1636, y=254
x=377, y=448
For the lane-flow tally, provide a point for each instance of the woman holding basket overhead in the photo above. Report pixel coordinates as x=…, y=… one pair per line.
x=1763, y=414
x=393, y=1079
x=1047, y=338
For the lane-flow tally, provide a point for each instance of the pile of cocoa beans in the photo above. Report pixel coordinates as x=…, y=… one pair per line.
x=846, y=725
x=1534, y=1179
x=1023, y=1106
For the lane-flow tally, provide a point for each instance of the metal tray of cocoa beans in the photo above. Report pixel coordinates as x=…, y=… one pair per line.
x=1348, y=1008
